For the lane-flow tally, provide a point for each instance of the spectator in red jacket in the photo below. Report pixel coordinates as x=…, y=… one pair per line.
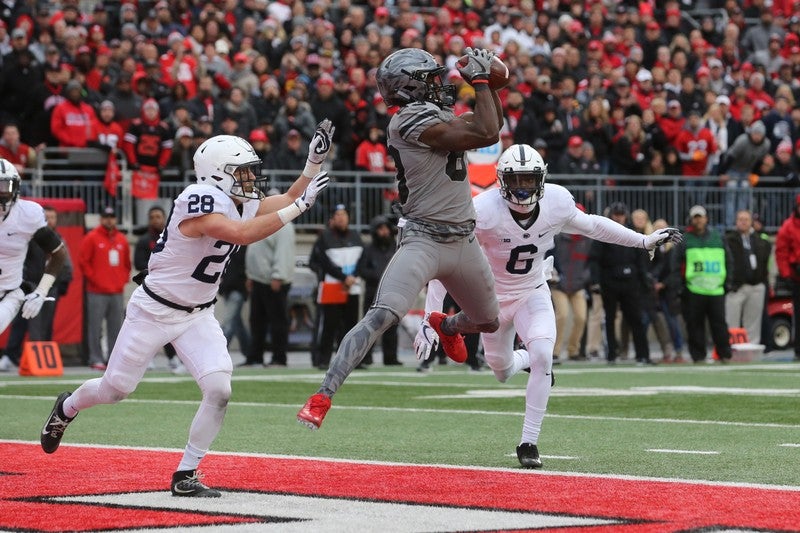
x=18, y=153
x=371, y=153
x=787, y=257
x=106, y=131
x=72, y=119
x=695, y=144
x=105, y=259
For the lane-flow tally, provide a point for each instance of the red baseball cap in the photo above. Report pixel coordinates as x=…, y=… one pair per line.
x=575, y=141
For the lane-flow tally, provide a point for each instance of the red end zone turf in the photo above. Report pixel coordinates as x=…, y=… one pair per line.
x=39, y=492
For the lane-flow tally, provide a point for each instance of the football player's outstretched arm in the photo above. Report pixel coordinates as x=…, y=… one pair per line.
x=243, y=232
x=318, y=150
x=606, y=230
x=484, y=128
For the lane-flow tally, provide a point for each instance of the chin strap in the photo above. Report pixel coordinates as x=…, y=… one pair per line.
x=521, y=208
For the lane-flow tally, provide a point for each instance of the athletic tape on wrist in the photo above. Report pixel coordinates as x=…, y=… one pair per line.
x=290, y=212
x=45, y=284
x=311, y=169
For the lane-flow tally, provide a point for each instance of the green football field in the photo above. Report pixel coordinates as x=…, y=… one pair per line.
x=731, y=423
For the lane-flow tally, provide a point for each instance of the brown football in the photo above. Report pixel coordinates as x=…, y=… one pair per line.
x=498, y=73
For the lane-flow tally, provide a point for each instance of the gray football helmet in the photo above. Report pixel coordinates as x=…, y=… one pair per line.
x=413, y=75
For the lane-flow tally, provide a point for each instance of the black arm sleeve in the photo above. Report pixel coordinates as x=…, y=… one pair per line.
x=47, y=239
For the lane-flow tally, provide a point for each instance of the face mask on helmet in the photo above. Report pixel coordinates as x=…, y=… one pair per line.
x=521, y=172
x=413, y=75
x=9, y=187
x=231, y=164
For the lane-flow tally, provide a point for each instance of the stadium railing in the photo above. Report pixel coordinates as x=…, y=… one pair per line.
x=79, y=173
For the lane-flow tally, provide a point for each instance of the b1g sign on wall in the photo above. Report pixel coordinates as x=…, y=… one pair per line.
x=485, y=156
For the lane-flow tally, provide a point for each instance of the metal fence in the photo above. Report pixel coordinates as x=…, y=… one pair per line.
x=79, y=173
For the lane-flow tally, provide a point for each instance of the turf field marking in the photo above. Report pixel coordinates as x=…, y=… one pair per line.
x=690, y=452
x=312, y=460
x=468, y=412
x=790, y=445
x=304, y=513
x=692, y=389
x=520, y=393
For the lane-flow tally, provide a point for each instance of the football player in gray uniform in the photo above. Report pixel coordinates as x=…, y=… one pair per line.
x=516, y=225
x=174, y=304
x=437, y=241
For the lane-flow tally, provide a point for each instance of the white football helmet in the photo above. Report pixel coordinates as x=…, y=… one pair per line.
x=521, y=172
x=9, y=186
x=226, y=162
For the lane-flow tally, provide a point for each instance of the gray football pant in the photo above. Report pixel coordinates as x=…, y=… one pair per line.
x=460, y=265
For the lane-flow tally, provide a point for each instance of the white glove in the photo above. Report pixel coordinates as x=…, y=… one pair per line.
x=548, y=270
x=33, y=303
x=426, y=341
x=479, y=65
x=659, y=237
x=321, y=142
x=318, y=183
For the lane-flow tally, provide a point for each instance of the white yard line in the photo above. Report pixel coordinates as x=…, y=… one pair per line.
x=690, y=452
x=515, y=469
x=468, y=412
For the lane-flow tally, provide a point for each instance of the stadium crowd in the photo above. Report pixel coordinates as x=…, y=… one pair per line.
x=633, y=88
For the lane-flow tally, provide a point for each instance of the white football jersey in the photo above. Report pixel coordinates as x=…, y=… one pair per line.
x=16, y=232
x=187, y=270
x=516, y=253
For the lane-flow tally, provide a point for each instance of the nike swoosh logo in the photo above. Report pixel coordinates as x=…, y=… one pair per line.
x=10, y=233
x=547, y=374
x=425, y=330
x=543, y=234
x=181, y=491
x=472, y=238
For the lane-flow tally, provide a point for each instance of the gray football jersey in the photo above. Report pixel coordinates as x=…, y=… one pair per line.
x=433, y=184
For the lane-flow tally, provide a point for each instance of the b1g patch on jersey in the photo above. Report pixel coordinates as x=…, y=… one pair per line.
x=128, y=489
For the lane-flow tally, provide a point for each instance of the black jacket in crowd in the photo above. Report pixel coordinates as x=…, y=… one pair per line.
x=742, y=272
x=376, y=257
x=619, y=267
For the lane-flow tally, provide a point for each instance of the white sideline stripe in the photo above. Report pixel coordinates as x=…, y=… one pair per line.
x=692, y=452
x=515, y=470
x=469, y=412
x=790, y=445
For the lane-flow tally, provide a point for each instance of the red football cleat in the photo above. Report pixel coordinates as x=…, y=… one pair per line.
x=453, y=345
x=314, y=411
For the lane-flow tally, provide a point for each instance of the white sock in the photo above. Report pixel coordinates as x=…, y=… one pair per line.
x=521, y=361
x=191, y=458
x=532, y=425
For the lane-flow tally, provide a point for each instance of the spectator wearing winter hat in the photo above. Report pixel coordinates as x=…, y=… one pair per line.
x=738, y=166
x=148, y=146
x=72, y=119
x=183, y=151
x=695, y=144
x=778, y=122
x=326, y=103
x=107, y=133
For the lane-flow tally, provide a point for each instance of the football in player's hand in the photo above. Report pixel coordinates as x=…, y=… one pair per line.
x=498, y=74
